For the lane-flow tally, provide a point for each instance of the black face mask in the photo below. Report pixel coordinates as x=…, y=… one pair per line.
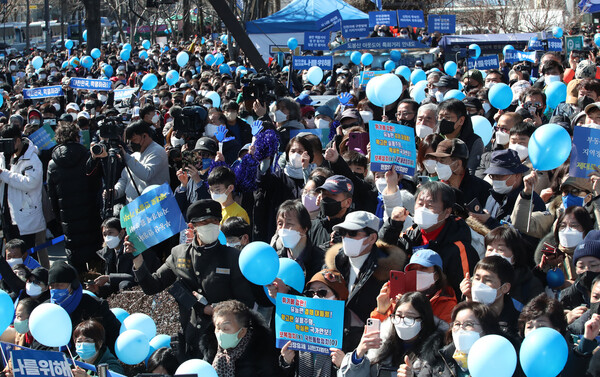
x=330, y=207
x=594, y=308
x=584, y=101
x=360, y=175
x=585, y=279
x=405, y=122
x=230, y=94
x=445, y=126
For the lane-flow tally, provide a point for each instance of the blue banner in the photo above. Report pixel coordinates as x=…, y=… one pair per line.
x=380, y=44
x=484, y=63
x=43, y=138
x=514, y=56
x=392, y=145
x=387, y=17
x=316, y=40
x=311, y=324
x=322, y=133
x=90, y=84
x=43, y=92
x=122, y=94
x=554, y=44
x=366, y=76
x=444, y=23
x=412, y=18
x=152, y=218
x=305, y=62
x=39, y=363
x=355, y=28
x=331, y=22
x=378, y=4
x=585, y=152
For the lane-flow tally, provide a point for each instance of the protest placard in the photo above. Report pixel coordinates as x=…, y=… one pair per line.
x=43, y=92
x=573, y=42
x=392, y=145
x=412, y=18
x=311, y=324
x=30, y=363
x=152, y=218
x=514, y=56
x=444, y=23
x=316, y=40
x=43, y=138
x=484, y=62
x=380, y=43
x=383, y=18
x=355, y=28
x=585, y=152
x=366, y=76
x=84, y=138
x=122, y=94
x=90, y=84
x=305, y=62
x=331, y=22
x=554, y=44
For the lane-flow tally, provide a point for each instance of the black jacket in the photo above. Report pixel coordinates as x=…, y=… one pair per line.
x=310, y=259
x=507, y=203
x=320, y=231
x=365, y=194
x=260, y=357
x=471, y=188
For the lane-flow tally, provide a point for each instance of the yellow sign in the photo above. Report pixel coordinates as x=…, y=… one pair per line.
x=33, y=7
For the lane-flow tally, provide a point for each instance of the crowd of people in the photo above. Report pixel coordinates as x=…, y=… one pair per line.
x=486, y=233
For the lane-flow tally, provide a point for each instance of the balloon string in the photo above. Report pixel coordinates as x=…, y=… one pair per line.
x=530, y=207
x=3, y=356
x=72, y=358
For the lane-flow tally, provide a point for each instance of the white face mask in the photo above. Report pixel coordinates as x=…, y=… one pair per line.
x=444, y=172
x=56, y=106
x=155, y=119
x=521, y=150
x=489, y=84
x=483, y=293
x=102, y=98
x=551, y=78
x=430, y=166
x=366, y=116
x=189, y=99
x=493, y=253
x=112, y=241
x=423, y=131
x=322, y=123
x=14, y=261
x=295, y=160
x=221, y=198
x=486, y=106
x=208, y=233
x=352, y=248
x=439, y=96
x=501, y=187
x=425, y=218
x=32, y=290
x=289, y=237
x=210, y=130
x=280, y=116
x=381, y=184
x=408, y=332
x=502, y=138
x=569, y=237
x=463, y=340
x=425, y=280
x=175, y=141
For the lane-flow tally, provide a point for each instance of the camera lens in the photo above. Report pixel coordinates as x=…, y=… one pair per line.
x=97, y=149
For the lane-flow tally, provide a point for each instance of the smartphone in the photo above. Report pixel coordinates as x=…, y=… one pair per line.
x=549, y=250
x=474, y=206
x=402, y=282
x=373, y=325
x=357, y=141
x=532, y=110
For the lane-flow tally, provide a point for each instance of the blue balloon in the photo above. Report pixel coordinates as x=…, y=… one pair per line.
x=454, y=93
x=555, y=278
x=182, y=59
x=418, y=75
x=242, y=68
x=202, y=41
x=224, y=69
x=121, y=314
x=68, y=44
x=371, y=91
x=108, y=70
x=64, y=65
x=84, y=35
x=506, y=48
x=557, y=32
x=292, y=43
x=395, y=55
x=214, y=96
x=474, y=46
x=140, y=322
x=259, y=263
x=482, y=127
x=492, y=356
x=146, y=44
x=132, y=347
x=74, y=61
x=124, y=55
x=543, y=353
x=314, y=75
x=87, y=62
x=219, y=58
x=86, y=292
x=198, y=367
x=366, y=59
x=127, y=46
x=96, y=53
x=355, y=57
x=224, y=39
x=500, y=96
x=389, y=66
x=597, y=39
x=37, y=62
x=388, y=89
x=7, y=311
x=291, y=273
x=403, y=71
x=285, y=69
x=159, y=341
x=149, y=81
x=56, y=335
x=143, y=55
x=209, y=59
x=450, y=68
x=222, y=239
x=418, y=91
x=549, y=146
x=556, y=93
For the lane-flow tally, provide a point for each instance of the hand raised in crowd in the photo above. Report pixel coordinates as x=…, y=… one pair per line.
x=405, y=369
x=183, y=177
x=277, y=286
x=595, y=177
x=220, y=157
x=369, y=341
x=577, y=312
x=399, y=214
x=529, y=182
x=337, y=356
x=465, y=286
x=259, y=109
x=391, y=177
x=383, y=299
x=305, y=158
x=79, y=372
x=592, y=327
x=331, y=154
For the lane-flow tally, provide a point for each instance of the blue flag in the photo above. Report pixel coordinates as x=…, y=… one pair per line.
x=378, y=4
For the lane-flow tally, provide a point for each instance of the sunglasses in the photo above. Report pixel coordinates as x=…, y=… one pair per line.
x=321, y=293
x=348, y=233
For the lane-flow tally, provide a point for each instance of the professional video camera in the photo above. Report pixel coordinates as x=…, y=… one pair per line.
x=260, y=86
x=110, y=130
x=189, y=121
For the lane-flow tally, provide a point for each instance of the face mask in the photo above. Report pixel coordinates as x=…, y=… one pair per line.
x=155, y=119
x=56, y=106
x=235, y=245
x=231, y=116
x=85, y=350
x=208, y=233
x=289, y=237
x=445, y=126
x=439, y=96
x=486, y=107
x=352, y=248
x=483, y=293
x=570, y=237
x=381, y=184
x=430, y=166
x=571, y=200
x=366, y=116
x=21, y=326
x=584, y=101
x=502, y=138
x=280, y=116
x=230, y=94
x=423, y=131
x=403, y=35
x=207, y=105
x=425, y=218
x=295, y=160
x=136, y=147
x=443, y=171
x=408, y=332
x=501, y=187
x=102, y=98
x=521, y=150
x=381, y=34
x=210, y=130
x=464, y=340
x=112, y=241
x=221, y=198
x=175, y=141
x=13, y=67
x=551, y=78
x=493, y=253
x=32, y=290
x=322, y=123
x=57, y=296
x=14, y=261
x=206, y=162
x=330, y=207
x=310, y=202
x=425, y=280
x=227, y=341
x=189, y=99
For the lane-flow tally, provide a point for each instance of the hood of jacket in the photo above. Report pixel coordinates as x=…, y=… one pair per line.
x=69, y=154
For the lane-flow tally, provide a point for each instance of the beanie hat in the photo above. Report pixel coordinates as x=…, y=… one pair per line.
x=590, y=247
x=334, y=280
x=61, y=272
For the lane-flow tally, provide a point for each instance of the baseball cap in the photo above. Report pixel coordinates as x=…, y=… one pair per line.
x=473, y=103
x=358, y=220
x=72, y=106
x=325, y=110
x=337, y=184
x=83, y=114
x=425, y=258
x=506, y=162
x=207, y=144
x=447, y=82
x=451, y=148
x=204, y=209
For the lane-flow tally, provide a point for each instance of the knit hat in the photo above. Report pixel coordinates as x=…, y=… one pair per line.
x=590, y=247
x=332, y=279
x=61, y=272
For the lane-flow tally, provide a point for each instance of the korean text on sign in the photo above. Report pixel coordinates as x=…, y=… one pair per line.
x=412, y=18
x=382, y=18
x=316, y=40
x=43, y=92
x=392, y=145
x=305, y=62
x=484, y=62
x=442, y=23
x=90, y=84
x=40, y=363
x=585, y=152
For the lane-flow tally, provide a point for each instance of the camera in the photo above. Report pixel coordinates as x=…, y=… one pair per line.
x=189, y=123
x=7, y=146
x=260, y=87
x=110, y=130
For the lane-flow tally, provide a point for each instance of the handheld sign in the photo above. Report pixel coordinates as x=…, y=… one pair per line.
x=412, y=18
x=152, y=218
x=311, y=324
x=444, y=23
x=316, y=40
x=305, y=62
x=43, y=138
x=355, y=28
x=513, y=56
x=331, y=22
x=90, y=84
x=392, y=145
x=585, y=152
x=382, y=18
x=43, y=92
x=40, y=363
x=483, y=63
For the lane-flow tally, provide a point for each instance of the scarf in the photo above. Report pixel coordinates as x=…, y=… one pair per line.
x=72, y=301
x=296, y=173
x=225, y=359
x=461, y=359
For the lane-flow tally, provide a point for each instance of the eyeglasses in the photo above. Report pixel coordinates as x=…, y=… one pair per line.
x=468, y=326
x=348, y=233
x=320, y=293
x=407, y=321
x=573, y=191
x=404, y=113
